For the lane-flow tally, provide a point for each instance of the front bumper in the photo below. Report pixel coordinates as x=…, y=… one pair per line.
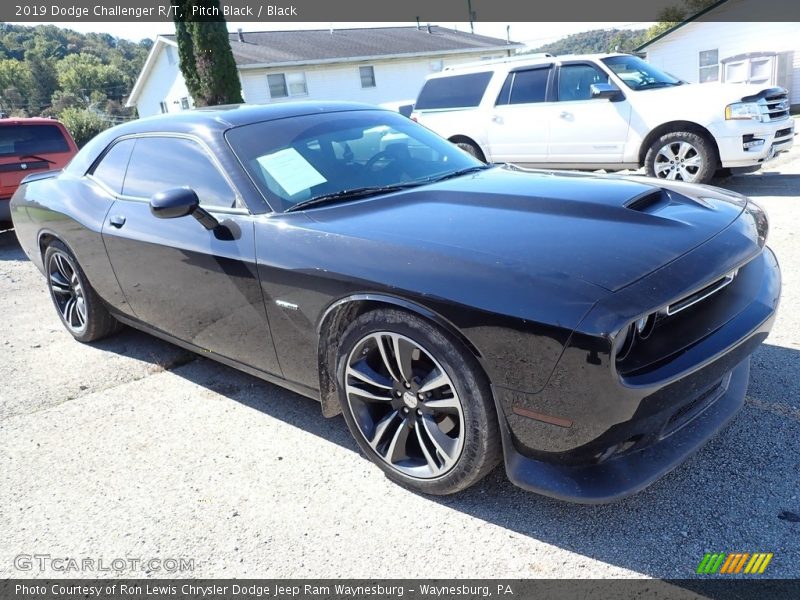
x=771, y=139
x=617, y=435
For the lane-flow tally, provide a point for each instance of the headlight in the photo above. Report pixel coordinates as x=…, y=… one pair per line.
x=743, y=110
x=760, y=220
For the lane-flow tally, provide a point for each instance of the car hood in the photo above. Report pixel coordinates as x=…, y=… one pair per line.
x=722, y=93
x=606, y=230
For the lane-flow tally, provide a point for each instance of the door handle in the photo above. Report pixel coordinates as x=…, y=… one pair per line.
x=117, y=221
x=497, y=119
x=565, y=115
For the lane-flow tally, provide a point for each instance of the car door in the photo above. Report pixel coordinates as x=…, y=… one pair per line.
x=197, y=285
x=585, y=129
x=520, y=122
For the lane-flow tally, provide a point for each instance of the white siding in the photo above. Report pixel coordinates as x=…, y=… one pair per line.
x=395, y=80
x=678, y=52
x=164, y=84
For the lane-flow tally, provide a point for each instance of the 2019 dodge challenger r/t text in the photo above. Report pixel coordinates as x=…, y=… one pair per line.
x=593, y=331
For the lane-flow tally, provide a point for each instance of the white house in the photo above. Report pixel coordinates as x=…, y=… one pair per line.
x=379, y=65
x=723, y=43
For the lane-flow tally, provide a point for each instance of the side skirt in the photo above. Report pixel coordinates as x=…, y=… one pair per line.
x=268, y=377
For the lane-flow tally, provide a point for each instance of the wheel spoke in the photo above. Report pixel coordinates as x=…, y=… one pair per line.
x=387, y=363
x=444, y=444
x=694, y=161
x=80, y=311
x=434, y=381
x=673, y=174
x=364, y=373
x=368, y=395
x=683, y=149
x=403, y=351
x=58, y=284
x=443, y=404
x=432, y=464
x=397, y=447
x=63, y=267
x=69, y=309
x=381, y=427
x=667, y=153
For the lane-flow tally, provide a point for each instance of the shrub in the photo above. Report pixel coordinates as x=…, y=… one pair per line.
x=83, y=124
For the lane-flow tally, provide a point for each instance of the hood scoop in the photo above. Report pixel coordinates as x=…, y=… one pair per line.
x=648, y=202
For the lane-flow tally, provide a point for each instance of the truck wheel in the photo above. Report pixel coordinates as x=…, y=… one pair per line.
x=681, y=156
x=472, y=149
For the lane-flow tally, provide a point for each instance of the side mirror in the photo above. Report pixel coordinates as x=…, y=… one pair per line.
x=604, y=90
x=181, y=202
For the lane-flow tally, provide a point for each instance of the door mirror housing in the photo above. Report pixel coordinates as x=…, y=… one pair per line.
x=181, y=202
x=605, y=90
x=174, y=203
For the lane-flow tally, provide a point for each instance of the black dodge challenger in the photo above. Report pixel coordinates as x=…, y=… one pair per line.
x=593, y=331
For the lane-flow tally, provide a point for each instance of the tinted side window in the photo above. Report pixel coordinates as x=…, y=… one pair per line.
x=458, y=91
x=111, y=168
x=574, y=81
x=529, y=86
x=19, y=140
x=161, y=163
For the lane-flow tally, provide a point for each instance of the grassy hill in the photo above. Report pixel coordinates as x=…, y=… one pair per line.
x=595, y=41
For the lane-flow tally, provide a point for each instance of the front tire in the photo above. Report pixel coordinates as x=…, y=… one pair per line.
x=681, y=156
x=80, y=308
x=472, y=149
x=417, y=403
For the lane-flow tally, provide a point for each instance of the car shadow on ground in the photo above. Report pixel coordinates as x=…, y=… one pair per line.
x=763, y=183
x=9, y=246
x=739, y=493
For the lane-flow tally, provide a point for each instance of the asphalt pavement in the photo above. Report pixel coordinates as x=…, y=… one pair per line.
x=134, y=449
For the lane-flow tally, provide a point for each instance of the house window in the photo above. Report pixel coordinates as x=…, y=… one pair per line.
x=367, y=76
x=185, y=103
x=283, y=85
x=163, y=106
x=709, y=66
x=171, y=55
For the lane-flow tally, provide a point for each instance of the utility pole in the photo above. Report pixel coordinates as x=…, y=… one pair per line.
x=471, y=16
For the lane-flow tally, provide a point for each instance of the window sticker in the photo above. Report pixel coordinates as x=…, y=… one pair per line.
x=292, y=172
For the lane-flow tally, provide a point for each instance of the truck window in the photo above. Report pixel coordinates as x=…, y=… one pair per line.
x=458, y=91
x=529, y=86
x=574, y=81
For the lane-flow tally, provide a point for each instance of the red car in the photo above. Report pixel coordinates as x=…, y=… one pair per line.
x=28, y=146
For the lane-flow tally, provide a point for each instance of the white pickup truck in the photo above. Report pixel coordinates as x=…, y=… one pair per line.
x=609, y=111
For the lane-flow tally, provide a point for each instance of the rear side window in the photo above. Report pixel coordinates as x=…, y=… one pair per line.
x=111, y=168
x=458, y=91
x=529, y=86
x=23, y=140
x=163, y=163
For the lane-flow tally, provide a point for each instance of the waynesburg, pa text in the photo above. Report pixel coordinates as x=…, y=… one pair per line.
x=164, y=589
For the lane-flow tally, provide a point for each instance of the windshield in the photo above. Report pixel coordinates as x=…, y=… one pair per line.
x=27, y=140
x=638, y=74
x=299, y=159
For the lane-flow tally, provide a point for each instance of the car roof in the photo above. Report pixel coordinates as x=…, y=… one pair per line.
x=514, y=62
x=13, y=121
x=232, y=115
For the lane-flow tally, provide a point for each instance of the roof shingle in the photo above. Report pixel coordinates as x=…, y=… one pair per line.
x=266, y=47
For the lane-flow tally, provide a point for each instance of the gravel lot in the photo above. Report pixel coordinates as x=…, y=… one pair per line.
x=133, y=448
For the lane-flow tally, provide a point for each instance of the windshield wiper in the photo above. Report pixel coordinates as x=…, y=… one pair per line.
x=39, y=158
x=352, y=194
x=658, y=84
x=458, y=173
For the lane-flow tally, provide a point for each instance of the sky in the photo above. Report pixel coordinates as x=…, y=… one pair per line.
x=532, y=34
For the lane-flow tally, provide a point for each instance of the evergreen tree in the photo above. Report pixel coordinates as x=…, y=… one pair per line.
x=206, y=59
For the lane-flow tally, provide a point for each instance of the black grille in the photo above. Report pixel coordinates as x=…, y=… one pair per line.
x=777, y=107
x=783, y=132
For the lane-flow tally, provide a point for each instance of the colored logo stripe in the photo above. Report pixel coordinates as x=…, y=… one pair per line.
x=733, y=563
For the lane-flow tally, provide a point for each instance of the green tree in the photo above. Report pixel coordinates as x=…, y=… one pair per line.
x=205, y=56
x=83, y=124
x=81, y=74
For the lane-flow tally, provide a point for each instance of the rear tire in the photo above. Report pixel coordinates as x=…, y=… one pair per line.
x=78, y=306
x=426, y=419
x=681, y=156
